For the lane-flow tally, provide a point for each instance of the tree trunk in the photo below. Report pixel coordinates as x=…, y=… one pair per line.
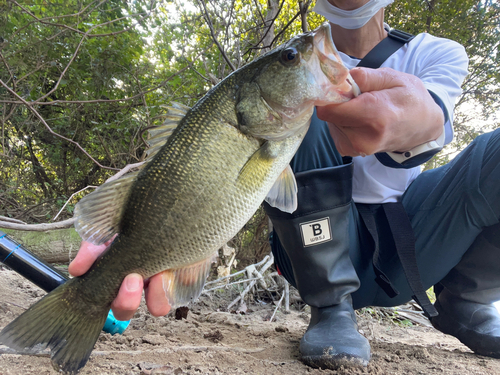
x=55, y=246
x=428, y=22
x=268, y=30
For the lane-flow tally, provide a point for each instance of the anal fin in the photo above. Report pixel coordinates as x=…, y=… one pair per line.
x=183, y=285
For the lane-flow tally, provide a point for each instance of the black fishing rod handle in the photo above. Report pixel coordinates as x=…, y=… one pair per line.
x=19, y=259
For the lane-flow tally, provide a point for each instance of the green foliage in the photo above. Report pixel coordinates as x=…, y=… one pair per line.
x=62, y=55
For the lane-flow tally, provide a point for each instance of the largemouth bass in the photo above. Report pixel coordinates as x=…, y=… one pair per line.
x=201, y=183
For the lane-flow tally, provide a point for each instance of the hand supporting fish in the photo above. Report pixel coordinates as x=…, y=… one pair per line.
x=208, y=170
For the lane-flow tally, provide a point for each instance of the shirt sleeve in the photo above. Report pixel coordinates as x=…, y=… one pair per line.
x=442, y=65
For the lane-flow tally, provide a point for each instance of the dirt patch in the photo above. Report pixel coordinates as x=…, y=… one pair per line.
x=217, y=342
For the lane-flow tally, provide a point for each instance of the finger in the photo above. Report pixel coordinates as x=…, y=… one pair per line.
x=129, y=297
x=86, y=256
x=342, y=142
x=155, y=297
x=354, y=113
x=375, y=79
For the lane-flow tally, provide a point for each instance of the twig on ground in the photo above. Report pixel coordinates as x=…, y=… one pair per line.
x=229, y=284
x=264, y=268
x=277, y=307
x=181, y=349
x=13, y=304
x=287, y=296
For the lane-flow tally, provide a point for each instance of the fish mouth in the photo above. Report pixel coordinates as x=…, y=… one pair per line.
x=332, y=66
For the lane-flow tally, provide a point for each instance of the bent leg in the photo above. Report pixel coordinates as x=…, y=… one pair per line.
x=448, y=208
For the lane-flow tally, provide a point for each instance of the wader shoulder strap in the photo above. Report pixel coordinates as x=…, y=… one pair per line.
x=404, y=240
x=381, y=278
x=381, y=52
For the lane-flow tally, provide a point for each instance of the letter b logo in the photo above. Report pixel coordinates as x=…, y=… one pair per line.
x=316, y=232
x=316, y=229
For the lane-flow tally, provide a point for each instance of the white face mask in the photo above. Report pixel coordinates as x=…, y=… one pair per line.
x=350, y=19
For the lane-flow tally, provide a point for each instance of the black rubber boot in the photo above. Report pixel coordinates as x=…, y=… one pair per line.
x=475, y=325
x=316, y=239
x=465, y=296
x=332, y=338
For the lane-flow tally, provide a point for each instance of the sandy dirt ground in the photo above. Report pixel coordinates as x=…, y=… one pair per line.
x=212, y=341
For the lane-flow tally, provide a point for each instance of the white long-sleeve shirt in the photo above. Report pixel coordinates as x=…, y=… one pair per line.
x=441, y=64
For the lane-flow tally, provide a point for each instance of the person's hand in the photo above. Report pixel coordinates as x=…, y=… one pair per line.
x=395, y=112
x=130, y=294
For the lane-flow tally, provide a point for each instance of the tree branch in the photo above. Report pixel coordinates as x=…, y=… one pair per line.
x=87, y=33
x=37, y=115
x=38, y=227
x=303, y=14
x=99, y=101
x=72, y=195
x=214, y=37
x=269, y=29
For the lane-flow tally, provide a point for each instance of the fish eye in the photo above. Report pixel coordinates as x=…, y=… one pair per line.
x=289, y=56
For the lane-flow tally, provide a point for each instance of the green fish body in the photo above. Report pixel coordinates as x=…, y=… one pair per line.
x=209, y=169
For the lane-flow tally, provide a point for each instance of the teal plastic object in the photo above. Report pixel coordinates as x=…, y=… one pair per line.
x=114, y=325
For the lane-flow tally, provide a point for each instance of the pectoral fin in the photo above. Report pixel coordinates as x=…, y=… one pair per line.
x=259, y=164
x=283, y=194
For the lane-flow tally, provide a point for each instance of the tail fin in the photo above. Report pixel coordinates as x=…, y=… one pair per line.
x=62, y=322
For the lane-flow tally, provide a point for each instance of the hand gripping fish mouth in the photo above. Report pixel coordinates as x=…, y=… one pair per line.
x=332, y=67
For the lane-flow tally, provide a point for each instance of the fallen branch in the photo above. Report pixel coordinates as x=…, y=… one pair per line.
x=11, y=220
x=264, y=268
x=237, y=273
x=15, y=224
x=226, y=285
x=38, y=227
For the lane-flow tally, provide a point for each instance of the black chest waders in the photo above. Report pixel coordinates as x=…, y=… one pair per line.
x=316, y=239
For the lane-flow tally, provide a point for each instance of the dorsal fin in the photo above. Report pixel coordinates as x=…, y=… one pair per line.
x=98, y=215
x=159, y=136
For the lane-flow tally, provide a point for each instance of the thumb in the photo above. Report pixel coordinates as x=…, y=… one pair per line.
x=375, y=79
x=129, y=297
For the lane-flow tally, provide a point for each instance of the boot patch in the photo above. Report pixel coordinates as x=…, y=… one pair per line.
x=316, y=232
